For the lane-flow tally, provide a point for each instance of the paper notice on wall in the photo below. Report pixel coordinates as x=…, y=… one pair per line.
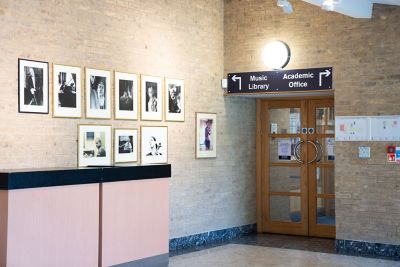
x=385, y=128
x=330, y=148
x=284, y=149
x=352, y=128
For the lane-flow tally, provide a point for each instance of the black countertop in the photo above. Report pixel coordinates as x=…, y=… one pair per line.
x=33, y=178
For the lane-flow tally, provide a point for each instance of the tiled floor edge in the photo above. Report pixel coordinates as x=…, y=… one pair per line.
x=368, y=249
x=211, y=237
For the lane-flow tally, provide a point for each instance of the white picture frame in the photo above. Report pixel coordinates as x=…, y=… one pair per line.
x=33, y=86
x=67, y=91
x=125, y=96
x=174, y=99
x=125, y=145
x=206, y=135
x=94, y=145
x=97, y=94
x=151, y=99
x=154, y=144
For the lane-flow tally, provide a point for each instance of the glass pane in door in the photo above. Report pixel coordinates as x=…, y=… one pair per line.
x=284, y=179
x=326, y=147
x=325, y=120
x=285, y=208
x=326, y=211
x=284, y=120
x=325, y=180
x=283, y=149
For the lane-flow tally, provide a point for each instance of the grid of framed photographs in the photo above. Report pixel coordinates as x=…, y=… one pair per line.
x=95, y=145
x=157, y=99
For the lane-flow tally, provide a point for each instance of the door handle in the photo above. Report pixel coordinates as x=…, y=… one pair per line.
x=296, y=155
x=316, y=152
x=320, y=151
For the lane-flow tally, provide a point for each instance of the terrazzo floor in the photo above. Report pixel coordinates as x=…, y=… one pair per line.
x=239, y=255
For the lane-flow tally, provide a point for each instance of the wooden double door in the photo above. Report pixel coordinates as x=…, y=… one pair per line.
x=295, y=167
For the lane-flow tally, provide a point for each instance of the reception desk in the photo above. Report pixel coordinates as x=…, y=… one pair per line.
x=104, y=216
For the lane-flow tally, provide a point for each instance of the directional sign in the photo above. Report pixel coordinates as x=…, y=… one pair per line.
x=280, y=81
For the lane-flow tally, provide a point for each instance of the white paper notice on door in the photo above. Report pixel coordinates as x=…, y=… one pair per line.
x=351, y=128
x=284, y=149
x=330, y=148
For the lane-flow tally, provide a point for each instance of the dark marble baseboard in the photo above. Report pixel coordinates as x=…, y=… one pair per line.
x=155, y=261
x=367, y=249
x=213, y=237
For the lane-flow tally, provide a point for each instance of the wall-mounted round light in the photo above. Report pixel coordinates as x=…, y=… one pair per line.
x=276, y=55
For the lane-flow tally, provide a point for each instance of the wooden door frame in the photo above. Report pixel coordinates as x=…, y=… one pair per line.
x=263, y=193
x=315, y=229
x=262, y=186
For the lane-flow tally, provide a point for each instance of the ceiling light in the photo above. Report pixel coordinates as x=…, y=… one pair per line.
x=276, y=55
x=285, y=5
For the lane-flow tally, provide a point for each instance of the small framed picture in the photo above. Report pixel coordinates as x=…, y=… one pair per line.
x=33, y=86
x=126, y=96
x=94, y=145
x=67, y=93
x=154, y=144
x=125, y=145
x=174, y=100
x=98, y=94
x=151, y=98
x=206, y=129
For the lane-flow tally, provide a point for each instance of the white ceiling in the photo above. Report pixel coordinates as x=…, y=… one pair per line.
x=356, y=8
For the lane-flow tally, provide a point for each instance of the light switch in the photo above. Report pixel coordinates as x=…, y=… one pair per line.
x=364, y=152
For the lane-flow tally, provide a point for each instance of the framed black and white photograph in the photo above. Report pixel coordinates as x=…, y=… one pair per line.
x=67, y=93
x=151, y=98
x=206, y=132
x=174, y=100
x=98, y=94
x=94, y=145
x=154, y=144
x=33, y=86
x=125, y=145
x=126, y=96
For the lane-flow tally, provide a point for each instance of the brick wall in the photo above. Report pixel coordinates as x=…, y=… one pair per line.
x=365, y=55
x=163, y=38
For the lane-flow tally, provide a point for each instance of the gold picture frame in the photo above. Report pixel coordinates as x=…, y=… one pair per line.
x=174, y=96
x=87, y=154
x=154, y=144
x=135, y=142
x=98, y=112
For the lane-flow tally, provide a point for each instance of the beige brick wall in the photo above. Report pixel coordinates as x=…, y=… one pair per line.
x=165, y=38
x=365, y=57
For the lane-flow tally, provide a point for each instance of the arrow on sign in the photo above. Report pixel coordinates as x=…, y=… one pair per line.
x=326, y=73
x=235, y=78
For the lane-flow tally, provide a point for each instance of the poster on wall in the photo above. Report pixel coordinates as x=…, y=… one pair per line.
x=33, y=86
x=351, y=128
x=206, y=133
x=385, y=128
x=67, y=91
x=126, y=96
x=94, y=145
x=174, y=100
x=98, y=94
